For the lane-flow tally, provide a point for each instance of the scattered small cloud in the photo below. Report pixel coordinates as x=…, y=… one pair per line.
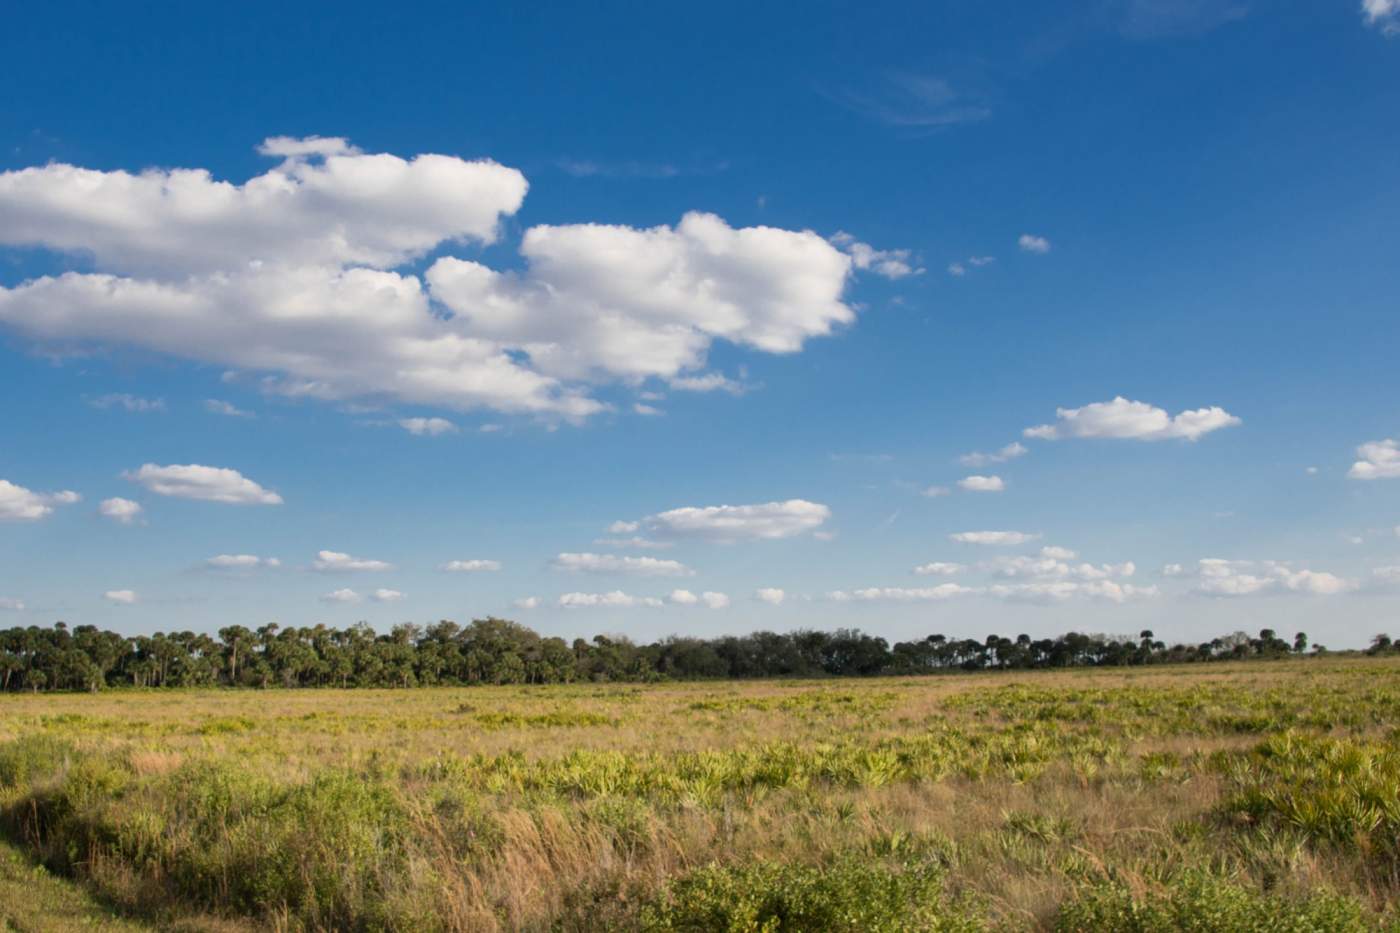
x=977, y=483
x=241, y=562
x=427, y=427
x=1383, y=15
x=527, y=602
x=649, y=410
x=887, y=263
x=18, y=504
x=1031, y=243
x=730, y=523
x=771, y=595
x=338, y=562
x=342, y=596
x=616, y=599
x=474, y=565
x=119, y=510
x=120, y=597
x=935, y=492
x=10, y=604
x=912, y=101
x=132, y=403
x=993, y=538
x=383, y=595
x=939, y=568
x=1009, y=452
x=219, y=407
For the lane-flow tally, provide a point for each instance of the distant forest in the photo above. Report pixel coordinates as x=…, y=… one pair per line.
x=498, y=651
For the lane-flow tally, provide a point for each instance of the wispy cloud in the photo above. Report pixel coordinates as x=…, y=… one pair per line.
x=913, y=101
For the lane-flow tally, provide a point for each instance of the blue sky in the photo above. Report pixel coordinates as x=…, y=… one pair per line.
x=430, y=284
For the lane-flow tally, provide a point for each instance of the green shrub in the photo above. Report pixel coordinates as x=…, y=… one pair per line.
x=852, y=894
x=1199, y=903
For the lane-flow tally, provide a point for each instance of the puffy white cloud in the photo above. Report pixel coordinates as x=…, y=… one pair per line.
x=1009, y=452
x=383, y=595
x=939, y=568
x=1383, y=15
x=613, y=563
x=127, y=402
x=1121, y=418
x=341, y=596
x=219, y=407
x=292, y=274
x=1218, y=577
x=771, y=595
x=123, y=511
x=337, y=562
x=471, y=566
x=240, y=562
x=1031, y=243
x=612, y=600
x=889, y=263
x=527, y=602
x=18, y=504
x=992, y=537
x=211, y=484
x=427, y=427
x=902, y=594
x=1379, y=460
x=730, y=523
x=713, y=600
x=982, y=483
x=120, y=597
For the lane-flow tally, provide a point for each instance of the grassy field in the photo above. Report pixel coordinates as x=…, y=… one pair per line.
x=1258, y=796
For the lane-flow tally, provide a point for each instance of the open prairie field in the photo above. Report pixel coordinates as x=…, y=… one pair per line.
x=1255, y=796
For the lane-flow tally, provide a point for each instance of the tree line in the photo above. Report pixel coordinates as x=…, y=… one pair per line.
x=498, y=651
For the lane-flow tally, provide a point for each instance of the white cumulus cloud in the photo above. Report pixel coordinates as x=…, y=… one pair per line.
x=120, y=597
x=939, y=568
x=1009, y=452
x=18, y=504
x=337, y=561
x=240, y=562
x=615, y=599
x=1378, y=460
x=383, y=595
x=1383, y=15
x=1031, y=243
x=1219, y=577
x=982, y=483
x=771, y=595
x=211, y=484
x=889, y=263
x=1121, y=418
x=730, y=523
x=122, y=511
x=613, y=563
x=475, y=565
x=341, y=596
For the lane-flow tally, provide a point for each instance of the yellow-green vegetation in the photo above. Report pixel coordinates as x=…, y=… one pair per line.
x=1258, y=796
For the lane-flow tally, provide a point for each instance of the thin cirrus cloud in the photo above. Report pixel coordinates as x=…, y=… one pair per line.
x=727, y=524
x=475, y=565
x=1377, y=460
x=126, y=402
x=340, y=562
x=939, y=568
x=122, y=511
x=120, y=597
x=913, y=101
x=427, y=427
x=612, y=563
x=206, y=483
x=995, y=538
x=1124, y=419
x=18, y=504
x=979, y=459
x=299, y=275
x=229, y=410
